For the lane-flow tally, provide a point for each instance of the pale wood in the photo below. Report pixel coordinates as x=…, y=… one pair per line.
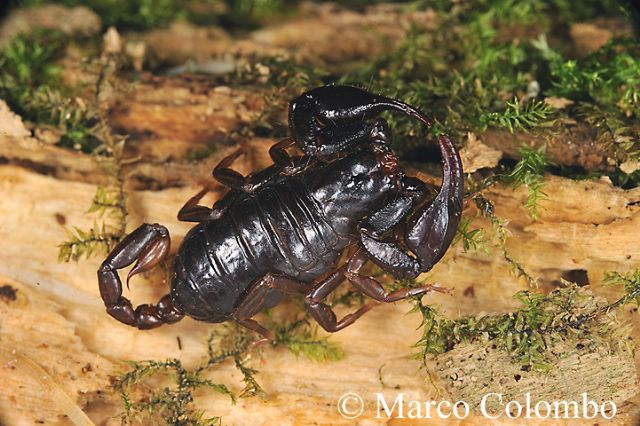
x=588, y=225
x=589, y=363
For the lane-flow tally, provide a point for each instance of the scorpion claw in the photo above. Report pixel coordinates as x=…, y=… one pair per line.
x=150, y=256
x=431, y=230
x=390, y=257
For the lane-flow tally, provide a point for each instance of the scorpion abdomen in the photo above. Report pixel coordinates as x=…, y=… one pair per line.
x=278, y=229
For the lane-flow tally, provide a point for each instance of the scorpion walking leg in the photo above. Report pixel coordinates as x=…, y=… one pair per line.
x=255, y=297
x=237, y=182
x=372, y=288
x=281, y=158
x=149, y=244
x=279, y=155
x=194, y=212
x=322, y=312
x=227, y=176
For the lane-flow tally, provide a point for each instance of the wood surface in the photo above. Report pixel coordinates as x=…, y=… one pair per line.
x=58, y=320
x=60, y=352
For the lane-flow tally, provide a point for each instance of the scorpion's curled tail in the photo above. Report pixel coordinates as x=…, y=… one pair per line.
x=406, y=109
x=149, y=244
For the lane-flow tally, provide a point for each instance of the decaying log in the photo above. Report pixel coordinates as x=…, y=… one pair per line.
x=164, y=120
x=167, y=120
x=60, y=352
x=34, y=330
x=584, y=225
x=582, y=363
x=570, y=145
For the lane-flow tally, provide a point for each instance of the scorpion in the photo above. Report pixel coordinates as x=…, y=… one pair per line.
x=280, y=232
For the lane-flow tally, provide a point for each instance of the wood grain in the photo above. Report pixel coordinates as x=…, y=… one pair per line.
x=58, y=319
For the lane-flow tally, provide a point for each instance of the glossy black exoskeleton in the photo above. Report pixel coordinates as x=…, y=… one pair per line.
x=280, y=231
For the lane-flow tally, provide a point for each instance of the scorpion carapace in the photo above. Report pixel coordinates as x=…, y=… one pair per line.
x=280, y=232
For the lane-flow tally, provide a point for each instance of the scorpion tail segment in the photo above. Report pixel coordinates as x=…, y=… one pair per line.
x=406, y=109
x=330, y=119
x=148, y=244
x=432, y=228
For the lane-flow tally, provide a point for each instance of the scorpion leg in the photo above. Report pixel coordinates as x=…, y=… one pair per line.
x=431, y=228
x=254, y=300
x=149, y=244
x=255, y=297
x=372, y=288
x=227, y=176
x=279, y=155
x=286, y=163
x=237, y=182
x=314, y=296
x=322, y=313
x=194, y=212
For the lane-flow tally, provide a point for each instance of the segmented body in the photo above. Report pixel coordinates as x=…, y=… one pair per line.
x=295, y=225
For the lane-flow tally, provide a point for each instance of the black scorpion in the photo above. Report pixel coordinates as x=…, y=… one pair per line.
x=280, y=231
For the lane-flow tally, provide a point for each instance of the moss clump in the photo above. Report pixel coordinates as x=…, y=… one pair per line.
x=30, y=83
x=175, y=403
x=528, y=171
x=528, y=332
x=126, y=14
x=301, y=339
x=148, y=14
x=28, y=70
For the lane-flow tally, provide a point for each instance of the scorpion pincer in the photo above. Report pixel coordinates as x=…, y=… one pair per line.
x=281, y=231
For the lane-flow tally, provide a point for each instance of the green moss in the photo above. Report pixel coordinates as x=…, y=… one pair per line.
x=516, y=116
x=609, y=77
x=466, y=77
x=630, y=283
x=30, y=83
x=127, y=14
x=528, y=332
x=567, y=10
x=175, y=402
x=148, y=14
x=473, y=240
x=27, y=68
x=109, y=203
x=301, y=339
x=528, y=171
